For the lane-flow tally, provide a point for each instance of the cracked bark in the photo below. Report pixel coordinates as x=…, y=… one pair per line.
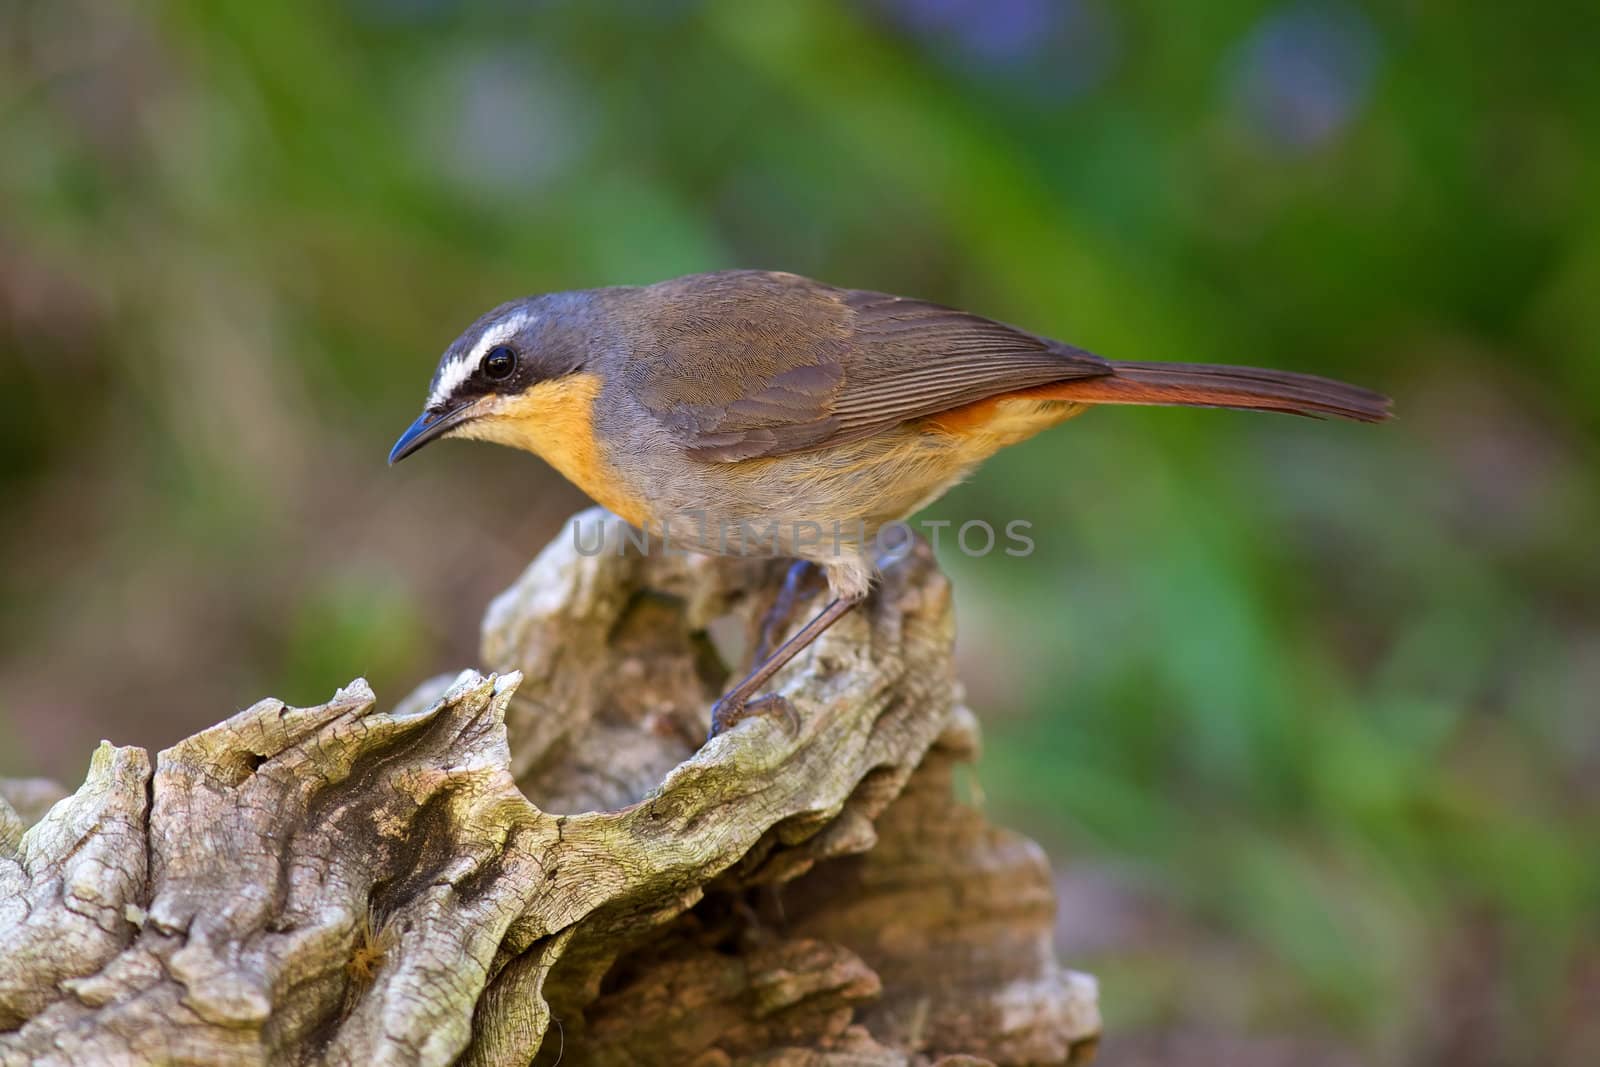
x=541, y=863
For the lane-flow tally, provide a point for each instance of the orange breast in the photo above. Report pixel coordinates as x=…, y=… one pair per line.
x=555, y=421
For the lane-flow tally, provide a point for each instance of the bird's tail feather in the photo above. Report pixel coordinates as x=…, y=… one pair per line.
x=1216, y=386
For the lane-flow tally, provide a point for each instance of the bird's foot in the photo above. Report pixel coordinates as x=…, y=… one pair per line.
x=732, y=710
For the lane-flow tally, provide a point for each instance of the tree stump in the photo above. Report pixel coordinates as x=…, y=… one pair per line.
x=544, y=864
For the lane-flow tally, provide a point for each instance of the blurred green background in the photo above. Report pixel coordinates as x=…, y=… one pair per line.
x=1305, y=713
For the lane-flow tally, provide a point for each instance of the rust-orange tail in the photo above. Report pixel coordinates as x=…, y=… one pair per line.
x=1210, y=385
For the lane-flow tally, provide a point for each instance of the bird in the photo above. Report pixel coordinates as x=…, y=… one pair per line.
x=767, y=401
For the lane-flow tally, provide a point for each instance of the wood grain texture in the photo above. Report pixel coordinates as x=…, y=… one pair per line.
x=536, y=864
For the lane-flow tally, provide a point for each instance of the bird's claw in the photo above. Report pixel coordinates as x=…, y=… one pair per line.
x=730, y=711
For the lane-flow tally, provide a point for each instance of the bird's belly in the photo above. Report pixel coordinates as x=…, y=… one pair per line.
x=834, y=499
x=831, y=500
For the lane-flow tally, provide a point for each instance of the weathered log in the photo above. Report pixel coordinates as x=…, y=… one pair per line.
x=543, y=863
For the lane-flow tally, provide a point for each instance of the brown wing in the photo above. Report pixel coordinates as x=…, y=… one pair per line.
x=743, y=364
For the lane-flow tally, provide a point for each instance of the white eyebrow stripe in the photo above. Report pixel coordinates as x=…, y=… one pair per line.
x=458, y=370
x=451, y=375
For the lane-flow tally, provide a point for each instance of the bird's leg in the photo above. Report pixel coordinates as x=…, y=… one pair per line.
x=777, y=617
x=736, y=704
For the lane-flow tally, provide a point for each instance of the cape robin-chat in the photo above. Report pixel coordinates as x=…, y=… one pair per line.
x=753, y=399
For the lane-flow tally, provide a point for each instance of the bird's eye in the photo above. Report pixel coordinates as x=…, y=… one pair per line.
x=499, y=362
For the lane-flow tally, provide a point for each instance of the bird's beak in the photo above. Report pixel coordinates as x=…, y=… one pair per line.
x=430, y=426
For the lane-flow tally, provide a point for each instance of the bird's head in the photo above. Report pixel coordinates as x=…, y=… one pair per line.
x=512, y=367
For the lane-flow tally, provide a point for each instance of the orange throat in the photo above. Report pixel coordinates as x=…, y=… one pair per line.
x=555, y=421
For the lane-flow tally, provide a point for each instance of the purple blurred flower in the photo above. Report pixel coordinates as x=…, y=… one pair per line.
x=1057, y=46
x=1305, y=72
x=500, y=121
